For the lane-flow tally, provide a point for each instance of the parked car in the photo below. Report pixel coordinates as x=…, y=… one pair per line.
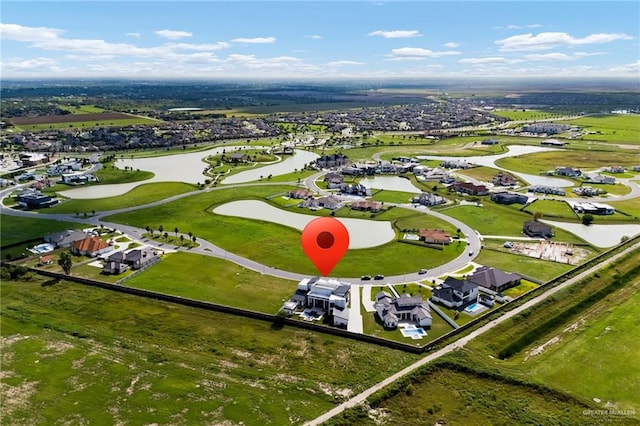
x=379, y=277
x=365, y=277
x=422, y=271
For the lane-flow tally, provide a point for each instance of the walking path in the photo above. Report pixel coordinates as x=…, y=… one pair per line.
x=355, y=318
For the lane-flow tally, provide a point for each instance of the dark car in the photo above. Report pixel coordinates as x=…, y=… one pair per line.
x=365, y=277
x=379, y=277
x=422, y=271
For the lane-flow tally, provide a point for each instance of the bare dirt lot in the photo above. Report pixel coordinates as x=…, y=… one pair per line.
x=549, y=250
x=70, y=118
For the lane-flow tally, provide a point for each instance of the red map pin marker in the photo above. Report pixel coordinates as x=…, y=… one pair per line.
x=325, y=240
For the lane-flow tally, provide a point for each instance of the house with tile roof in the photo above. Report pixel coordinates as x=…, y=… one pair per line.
x=90, y=246
x=64, y=238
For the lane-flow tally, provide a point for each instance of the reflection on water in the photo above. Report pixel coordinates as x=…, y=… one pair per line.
x=390, y=183
x=598, y=235
x=297, y=161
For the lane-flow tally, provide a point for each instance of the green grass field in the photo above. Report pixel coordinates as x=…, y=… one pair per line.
x=583, y=159
x=529, y=266
x=81, y=109
x=138, y=196
x=189, y=275
x=279, y=246
x=83, y=354
x=616, y=128
x=529, y=114
x=15, y=229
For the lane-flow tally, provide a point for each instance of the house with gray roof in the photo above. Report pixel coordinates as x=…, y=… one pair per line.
x=64, y=238
x=406, y=308
x=494, y=279
x=455, y=293
x=533, y=228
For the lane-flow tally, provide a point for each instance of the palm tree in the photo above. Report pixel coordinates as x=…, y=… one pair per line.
x=190, y=234
x=166, y=235
x=161, y=229
x=176, y=231
x=65, y=262
x=181, y=239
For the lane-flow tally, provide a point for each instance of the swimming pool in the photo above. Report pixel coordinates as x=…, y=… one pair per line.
x=42, y=248
x=473, y=307
x=414, y=333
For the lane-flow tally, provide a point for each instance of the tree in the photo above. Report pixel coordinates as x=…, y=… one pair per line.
x=181, y=239
x=190, y=234
x=587, y=219
x=65, y=262
x=193, y=238
x=537, y=215
x=176, y=231
x=166, y=235
x=161, y=229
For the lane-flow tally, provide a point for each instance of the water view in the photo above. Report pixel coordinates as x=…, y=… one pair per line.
x=598, y=235
x=297, y=161
x=390, y=183
x=362, y=233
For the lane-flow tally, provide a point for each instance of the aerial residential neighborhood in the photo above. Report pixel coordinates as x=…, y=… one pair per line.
x=303, y=213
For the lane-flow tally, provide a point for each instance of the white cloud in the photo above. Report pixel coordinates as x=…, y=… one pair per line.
x=314, y=37
x=133, y=35
x=27, y=64
x=417, y=53
x=396, y=34
x=255, y=40
x=28, y=34
x=557, y=56
x=632, y=68
x=451, y=44
x=520, y=27
x=343, y=63
x=549, y=40
x=173, y=35
x=489, y=60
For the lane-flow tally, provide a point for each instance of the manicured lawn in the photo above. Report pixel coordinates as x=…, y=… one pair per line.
x=630, y=207
x=110, y=174
x=482, y=173
x=552, y=209
x=84, y=354
x=215, y=280
x=439, y=327
x=81, y=109
x=143, y=194
x=277, y=245
x=520, y=289
x=15, y=229
x=397, y=197
x=87, y=124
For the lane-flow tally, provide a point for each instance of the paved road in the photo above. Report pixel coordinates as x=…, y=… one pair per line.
x=362, y=397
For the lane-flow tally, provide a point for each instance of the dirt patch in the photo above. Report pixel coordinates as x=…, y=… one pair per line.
x=555, y=339
x=71, y=118
x=16, y=397
x=552, y=251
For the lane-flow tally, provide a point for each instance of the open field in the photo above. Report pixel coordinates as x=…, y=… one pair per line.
x=83, y=354
x=482, y=173
x=81, y=109
x=530, y=266
x=15, y=229
x=585, y=160
x=577, y=339
x=140, y=195
x=449, y=394
x=525, y=114
x=277, y=245
x=46, y=122
x=618, y=128
x=189, y=275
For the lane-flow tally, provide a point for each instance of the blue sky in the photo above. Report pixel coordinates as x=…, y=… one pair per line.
x=321, y=39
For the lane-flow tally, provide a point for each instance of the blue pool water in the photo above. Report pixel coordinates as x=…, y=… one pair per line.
x=472, y=308
x=414, y=333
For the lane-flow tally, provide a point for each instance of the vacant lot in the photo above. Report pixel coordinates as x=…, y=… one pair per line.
x=71, y=118
x=83, y=355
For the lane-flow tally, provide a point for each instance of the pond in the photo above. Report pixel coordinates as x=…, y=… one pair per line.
x=598, y=235
x=390, y=183
x=513, y=151
x=297, y=161
x=362, y=233
x=169, y=168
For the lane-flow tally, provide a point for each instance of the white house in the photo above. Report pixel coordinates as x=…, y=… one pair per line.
x=330, y=295
x=407, y=308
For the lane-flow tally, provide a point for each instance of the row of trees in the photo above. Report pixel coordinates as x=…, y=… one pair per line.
x=165, y=234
